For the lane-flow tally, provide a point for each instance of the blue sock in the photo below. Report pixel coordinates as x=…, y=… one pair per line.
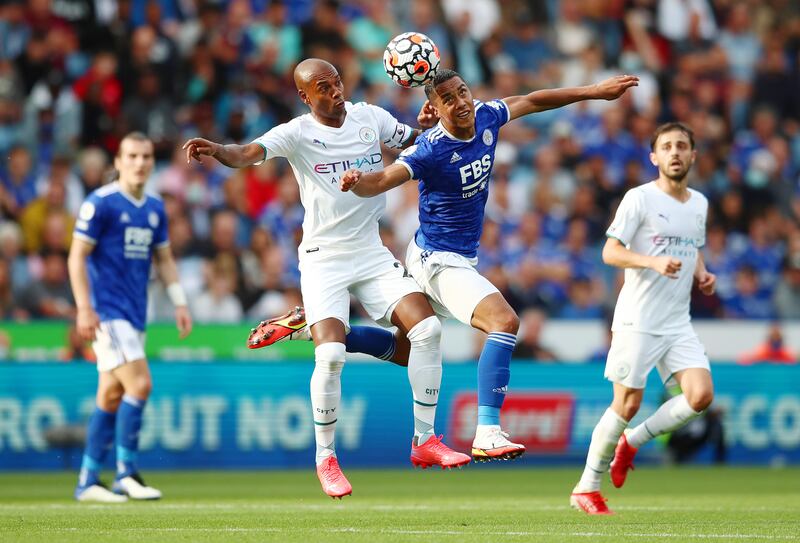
x=130, y=422
x=99, y=438
x=493, y=376
x=371, y=340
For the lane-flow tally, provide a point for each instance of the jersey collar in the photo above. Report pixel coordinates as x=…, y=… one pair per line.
x=451, y=136
x=131, y=199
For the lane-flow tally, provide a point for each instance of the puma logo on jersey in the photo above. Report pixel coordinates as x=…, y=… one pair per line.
x=319, y=143
x=455, y=158
x=663, y=217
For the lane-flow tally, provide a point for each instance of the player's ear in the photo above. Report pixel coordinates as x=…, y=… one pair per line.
x=653, y=160
x=694, y=156
x=303, y=97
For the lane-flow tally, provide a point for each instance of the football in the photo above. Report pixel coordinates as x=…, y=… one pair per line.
x=411, y=59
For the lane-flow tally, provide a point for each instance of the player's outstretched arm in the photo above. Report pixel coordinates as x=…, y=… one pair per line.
x=233, y=156
x=168, y=272
x=616, y=254
x=86, y=320
x=542, y=100
x=366, y=184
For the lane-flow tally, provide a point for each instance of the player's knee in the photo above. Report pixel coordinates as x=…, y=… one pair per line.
x=507, y=322
x=700, y=400
x=330, y=357
x=630, y=406
x=141, y=387
x=427, y=333
x=109, y=398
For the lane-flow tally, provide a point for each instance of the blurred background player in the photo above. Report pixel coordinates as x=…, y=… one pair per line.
x=656, y=236
x=453, y=163
x=120, y=230
x=341, y=253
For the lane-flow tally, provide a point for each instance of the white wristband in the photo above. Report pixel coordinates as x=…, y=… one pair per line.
x=176, y=294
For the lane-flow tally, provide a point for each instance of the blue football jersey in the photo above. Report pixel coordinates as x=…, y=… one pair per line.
x=453, y=179
x=124, y=232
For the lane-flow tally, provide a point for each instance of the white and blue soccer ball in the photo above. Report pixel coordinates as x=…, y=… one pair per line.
x=411, y=59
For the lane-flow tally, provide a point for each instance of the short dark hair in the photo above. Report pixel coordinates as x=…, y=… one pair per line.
x=135, y=136
x=442, y=75
x=669, y=127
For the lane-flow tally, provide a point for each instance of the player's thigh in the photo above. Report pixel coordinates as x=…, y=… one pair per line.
x=116, y=343
x=324, y=286
x=632, y=356
x=383, y=283
x=684, y=352
x=460, y=290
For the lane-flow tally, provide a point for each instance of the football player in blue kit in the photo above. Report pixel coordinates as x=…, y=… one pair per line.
x=453, y=163
x=120, y=230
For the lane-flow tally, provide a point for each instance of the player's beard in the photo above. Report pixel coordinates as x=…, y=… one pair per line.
x=678, y=176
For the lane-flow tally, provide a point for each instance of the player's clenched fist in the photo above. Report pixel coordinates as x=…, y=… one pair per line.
x=666, y=265
x=196, y=147
x=706, y=282
x=349, y=180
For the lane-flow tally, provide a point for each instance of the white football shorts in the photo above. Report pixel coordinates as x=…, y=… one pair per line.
x=116, y=343
x=372, y=274
x=450, y=280
x=634, y=354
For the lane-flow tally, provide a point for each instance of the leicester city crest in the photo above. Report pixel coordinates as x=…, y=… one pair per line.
x=152, y=218
x=487, y=137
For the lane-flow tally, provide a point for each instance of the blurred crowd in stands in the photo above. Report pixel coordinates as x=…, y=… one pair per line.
x=75, y=75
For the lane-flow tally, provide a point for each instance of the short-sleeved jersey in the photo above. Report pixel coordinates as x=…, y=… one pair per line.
x=124, y=232
x=651, y=222
x=319, y=155
x=453, y=179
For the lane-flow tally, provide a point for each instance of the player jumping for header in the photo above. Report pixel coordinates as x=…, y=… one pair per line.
x=453, y=163
x=656, y=237
x=341, y=253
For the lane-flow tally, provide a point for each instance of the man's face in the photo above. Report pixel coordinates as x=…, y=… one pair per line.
x=134, y=162
x=453, y=102
x=673, y=154
x=324, y=93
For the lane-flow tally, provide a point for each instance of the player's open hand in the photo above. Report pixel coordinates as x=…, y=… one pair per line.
x=197, y=147
x=427, y=116
x=706, y=282
x=349, y=180
x=614, y=87
x=183, y=320
x=87, y=322
x=667, y=266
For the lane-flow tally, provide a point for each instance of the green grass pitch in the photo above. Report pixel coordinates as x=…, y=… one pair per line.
x=479, y=503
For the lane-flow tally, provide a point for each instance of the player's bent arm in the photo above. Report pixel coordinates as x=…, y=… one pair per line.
x=232, y=155
x=700, y=266
x=366, y=184
x=86, y=320
x=78, y=276
x=542, y=100
x=616, y=254
x=168, y=272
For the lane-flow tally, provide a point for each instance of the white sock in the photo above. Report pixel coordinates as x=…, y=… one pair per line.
x=326, y=391
x=601, y=450
x=425, y=374
x=672, y=414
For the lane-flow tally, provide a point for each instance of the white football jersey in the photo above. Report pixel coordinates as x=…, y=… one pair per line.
x=319, y=155
x=651, y=222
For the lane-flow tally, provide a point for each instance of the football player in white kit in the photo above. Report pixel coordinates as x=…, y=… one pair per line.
x=656, y=237
x=341, y=254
